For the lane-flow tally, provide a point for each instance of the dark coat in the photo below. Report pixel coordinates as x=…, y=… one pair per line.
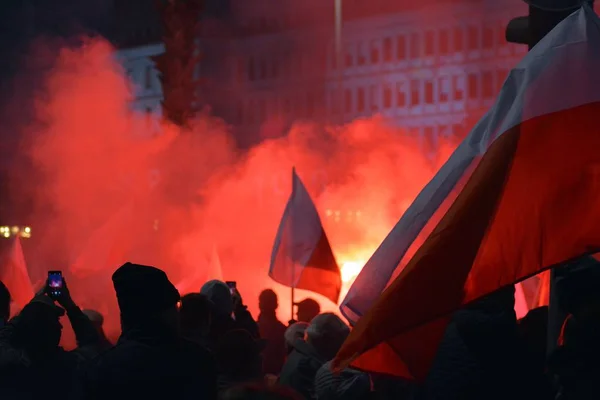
x=149, y=365
x=300, y=369
x=273, y=331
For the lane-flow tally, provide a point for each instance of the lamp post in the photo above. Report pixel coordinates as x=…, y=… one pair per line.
x=339, y=98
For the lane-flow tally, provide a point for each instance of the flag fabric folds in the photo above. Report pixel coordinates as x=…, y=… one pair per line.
x=15, y=277
x=302, y=257
x=531, y=174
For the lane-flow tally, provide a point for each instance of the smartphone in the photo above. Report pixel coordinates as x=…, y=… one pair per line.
x=55, y=283
x=232, y=286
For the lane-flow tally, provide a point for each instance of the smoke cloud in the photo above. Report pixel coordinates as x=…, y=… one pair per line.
x=96, y=163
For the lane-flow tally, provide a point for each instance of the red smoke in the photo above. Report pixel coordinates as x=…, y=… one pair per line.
x=95, y=159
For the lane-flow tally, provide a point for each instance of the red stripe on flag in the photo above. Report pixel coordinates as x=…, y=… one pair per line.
x=530, y=204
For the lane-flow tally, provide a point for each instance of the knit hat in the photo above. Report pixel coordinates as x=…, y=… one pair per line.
x=220, y=295
x=143, y=290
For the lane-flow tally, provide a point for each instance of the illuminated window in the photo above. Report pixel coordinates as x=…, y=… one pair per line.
x=387, y=49
x=401, y=48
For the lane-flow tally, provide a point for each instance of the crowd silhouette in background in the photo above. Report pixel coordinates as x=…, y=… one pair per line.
x=206, y=345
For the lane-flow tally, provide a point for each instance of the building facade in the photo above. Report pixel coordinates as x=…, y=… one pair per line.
x=432, y=70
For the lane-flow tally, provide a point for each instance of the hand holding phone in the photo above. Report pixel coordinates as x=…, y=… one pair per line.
x=55, y=285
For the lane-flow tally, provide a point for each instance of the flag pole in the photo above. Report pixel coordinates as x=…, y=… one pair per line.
x=293, y=269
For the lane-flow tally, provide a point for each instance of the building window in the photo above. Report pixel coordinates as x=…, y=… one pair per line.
x=429, y=43
x=458, y=83
x=459, y=39
x=472, y=38
x=415, y=92
x=349, y=59
x=443, y=89
x=473, y=86
x=374, y=53
x=487, y=85
x=360, y=58
x=373, y=98
x=387, y=97
x=348, y=100
x=387, y=49
x=360, y=99
x=148, y=77
x=401, y=94
x=488, y=37
x=415, y=46
x=251, y=69
x=401, y=48
x=500, y=34
x=429, y=92
x=443, y=42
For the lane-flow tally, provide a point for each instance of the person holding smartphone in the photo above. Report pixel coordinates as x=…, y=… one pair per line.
x=31, y=360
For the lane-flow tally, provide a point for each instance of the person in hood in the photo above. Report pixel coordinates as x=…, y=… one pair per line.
x=31, y=360
x=324, y=337
x=4, y=305
x=273, y=331
x=229, y=311
x=150, y=360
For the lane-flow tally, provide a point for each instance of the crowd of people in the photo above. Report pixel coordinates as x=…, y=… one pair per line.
x=207, y=345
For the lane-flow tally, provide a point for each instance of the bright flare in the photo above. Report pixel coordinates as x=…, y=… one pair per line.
x=350, y=270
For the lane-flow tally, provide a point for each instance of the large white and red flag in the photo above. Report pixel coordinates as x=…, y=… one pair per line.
x=518, y=196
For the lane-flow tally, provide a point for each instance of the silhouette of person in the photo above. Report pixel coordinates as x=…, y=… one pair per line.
x=307, y=310
x=4, y=304
x=273, y=331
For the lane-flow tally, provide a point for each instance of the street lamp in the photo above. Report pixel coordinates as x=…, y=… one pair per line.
x=339, y=58
x=7, y=232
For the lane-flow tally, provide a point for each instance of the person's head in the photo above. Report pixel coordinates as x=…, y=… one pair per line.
x=4, y=303
x=219, y=295
x=39, y=329
x=267, y=301
x=238, y=355
x=292, y=333
x=146, y=297
x=96, y=319
x=257, y=391
x=195, y=313
x=326, y=333
x=308, y=309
